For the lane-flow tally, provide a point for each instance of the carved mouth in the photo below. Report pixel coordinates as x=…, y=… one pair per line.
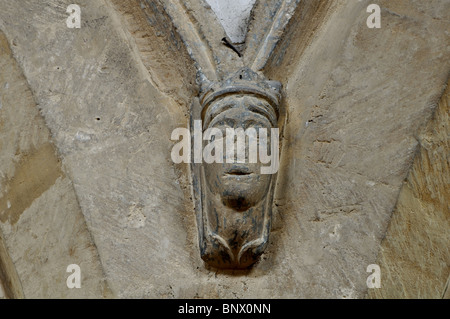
x=238, y=172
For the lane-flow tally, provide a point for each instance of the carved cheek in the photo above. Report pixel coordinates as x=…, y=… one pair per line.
x=212, y=172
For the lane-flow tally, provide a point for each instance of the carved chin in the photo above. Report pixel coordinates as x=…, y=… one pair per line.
x=236, y=219
x=242, y=192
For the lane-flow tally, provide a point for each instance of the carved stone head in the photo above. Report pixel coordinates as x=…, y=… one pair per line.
x=236, y=194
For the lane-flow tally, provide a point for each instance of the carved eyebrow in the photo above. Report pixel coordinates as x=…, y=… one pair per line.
x=227, y=121
x=214, y=111
x=249, y=123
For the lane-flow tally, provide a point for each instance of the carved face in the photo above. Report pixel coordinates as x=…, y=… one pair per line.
x=239, y=185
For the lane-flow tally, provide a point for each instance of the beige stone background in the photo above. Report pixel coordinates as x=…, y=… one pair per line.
x=86, y=176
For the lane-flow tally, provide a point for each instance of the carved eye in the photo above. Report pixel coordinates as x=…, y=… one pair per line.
x=223, y=128
x=215, y=114
x=224, y=123
x=251, y=123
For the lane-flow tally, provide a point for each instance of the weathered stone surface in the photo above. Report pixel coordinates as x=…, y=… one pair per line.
x=42, y=229
x=234, y=16
x=447, y=290
x=415, y=255
x=355, y=98
x=353, y=113
x=112, y=127
x=153, y=37
x=234, y=197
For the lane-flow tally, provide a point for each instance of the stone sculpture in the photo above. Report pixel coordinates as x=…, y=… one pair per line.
x=236, y=198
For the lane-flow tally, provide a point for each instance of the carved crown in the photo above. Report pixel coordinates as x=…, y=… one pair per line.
x=247, y=82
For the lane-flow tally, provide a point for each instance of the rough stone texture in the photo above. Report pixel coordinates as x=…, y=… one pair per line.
x=2, y=292
x=106, y=118
x=415, y=255
x=196, y=18
x=355, y=99
x=447, y=290
x=42, y=229
x=353, y=114
x=154, y=39
x=234, y=16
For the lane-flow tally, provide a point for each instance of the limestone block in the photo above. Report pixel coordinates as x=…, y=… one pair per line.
x=42, y=229
x=234, y=16
x=415, y=255
x=354, y=97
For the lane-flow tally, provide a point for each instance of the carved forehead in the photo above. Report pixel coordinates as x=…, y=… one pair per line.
x=243, y=103
x=234, y=118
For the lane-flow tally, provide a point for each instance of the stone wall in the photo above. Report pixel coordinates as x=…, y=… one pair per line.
x=86, y=178
x=415, y=254
x=42, y=229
